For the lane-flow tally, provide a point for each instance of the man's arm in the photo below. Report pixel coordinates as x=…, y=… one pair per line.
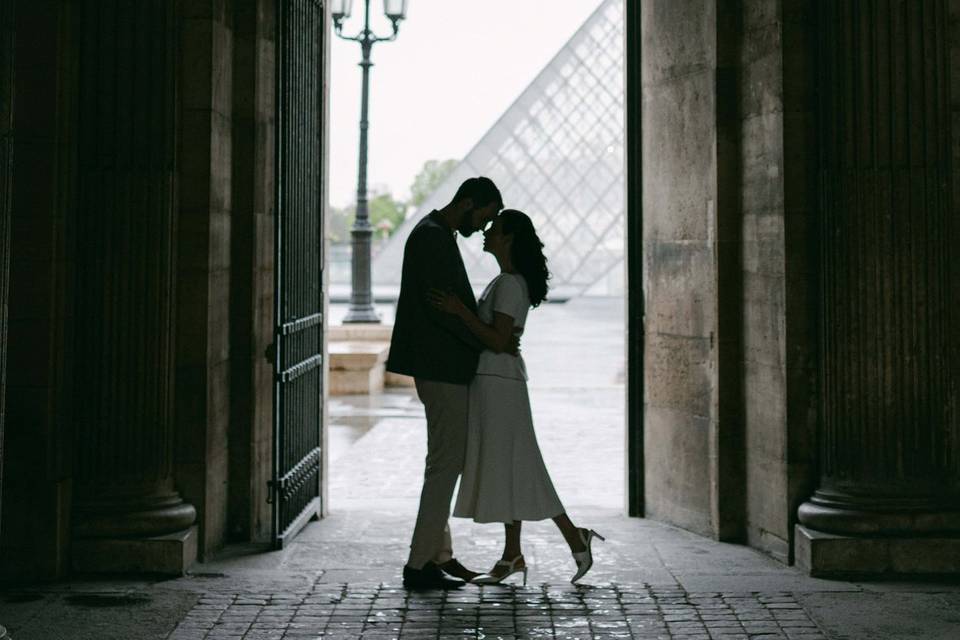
x=500, y=336
x=436, y=269
x=497, y=336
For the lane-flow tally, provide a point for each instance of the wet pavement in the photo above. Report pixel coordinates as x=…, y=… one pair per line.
x=340, y=578
x=379, y=611
x=575, y=358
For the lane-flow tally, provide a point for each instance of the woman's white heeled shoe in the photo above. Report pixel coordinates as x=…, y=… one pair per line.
x=512, y=568
x=584, y=559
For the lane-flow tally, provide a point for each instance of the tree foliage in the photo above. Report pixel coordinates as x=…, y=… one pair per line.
x=429, y=178
x=386, y=214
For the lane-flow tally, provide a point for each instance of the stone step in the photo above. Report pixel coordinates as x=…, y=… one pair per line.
x=357, y=354
x=357, y=366
x=359, y=331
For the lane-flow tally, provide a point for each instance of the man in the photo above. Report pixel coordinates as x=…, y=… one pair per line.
x=441, y=355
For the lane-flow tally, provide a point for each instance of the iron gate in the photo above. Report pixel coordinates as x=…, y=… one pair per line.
x=298, y=339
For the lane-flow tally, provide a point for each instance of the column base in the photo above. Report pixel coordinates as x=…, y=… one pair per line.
x=361, y=314
x=121, y=519
x=169, y=554
x=879, y=515
x=830, y=555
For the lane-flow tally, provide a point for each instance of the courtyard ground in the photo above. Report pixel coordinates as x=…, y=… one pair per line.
x=341, y=577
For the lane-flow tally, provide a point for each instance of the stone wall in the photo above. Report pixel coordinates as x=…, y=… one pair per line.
x=203, y=319
x=252, y=283
x=762, y=272
x=679, y=60
x=726, y=205
x=800, y=286
x=778, y=307
x=226, y=283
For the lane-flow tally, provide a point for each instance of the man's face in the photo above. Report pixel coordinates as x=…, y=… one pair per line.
x=477, y=219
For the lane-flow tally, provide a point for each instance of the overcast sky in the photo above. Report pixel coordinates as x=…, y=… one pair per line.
x=455, y=68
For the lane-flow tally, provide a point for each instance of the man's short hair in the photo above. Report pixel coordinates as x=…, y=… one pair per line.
x=481, y=190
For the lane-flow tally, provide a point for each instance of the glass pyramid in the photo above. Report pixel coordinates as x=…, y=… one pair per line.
x=557, y=154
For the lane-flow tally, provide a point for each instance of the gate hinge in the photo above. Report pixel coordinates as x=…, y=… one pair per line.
x=270, y=353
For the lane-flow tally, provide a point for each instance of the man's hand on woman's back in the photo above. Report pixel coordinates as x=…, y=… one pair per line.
x=513, y=348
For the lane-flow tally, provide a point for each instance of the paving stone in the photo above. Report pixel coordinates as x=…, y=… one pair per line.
x=381, y=611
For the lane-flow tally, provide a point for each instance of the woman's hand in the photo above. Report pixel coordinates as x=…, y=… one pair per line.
x=446, y=302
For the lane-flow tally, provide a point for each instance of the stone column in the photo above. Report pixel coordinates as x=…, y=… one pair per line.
x=6, y=182
x=889, y=431
x=6, y=179
x=127, y=514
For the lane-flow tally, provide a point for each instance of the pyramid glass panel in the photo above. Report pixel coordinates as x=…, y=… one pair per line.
x=557, y=154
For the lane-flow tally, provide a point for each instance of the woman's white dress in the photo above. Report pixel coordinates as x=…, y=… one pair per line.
x=504, y=477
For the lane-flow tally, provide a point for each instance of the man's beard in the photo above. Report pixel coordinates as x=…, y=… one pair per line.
x=466, y=227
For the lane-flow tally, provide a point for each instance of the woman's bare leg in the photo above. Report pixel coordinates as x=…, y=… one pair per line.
x=570, y=533
x=511, y=547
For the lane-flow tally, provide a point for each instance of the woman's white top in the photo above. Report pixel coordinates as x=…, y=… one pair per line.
x=507, y=294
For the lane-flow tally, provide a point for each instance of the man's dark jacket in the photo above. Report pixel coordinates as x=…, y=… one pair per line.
x=427, y=343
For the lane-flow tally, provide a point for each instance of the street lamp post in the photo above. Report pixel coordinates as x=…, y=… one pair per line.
x=361, y=295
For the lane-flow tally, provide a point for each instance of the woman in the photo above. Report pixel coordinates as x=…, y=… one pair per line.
x=504, y=478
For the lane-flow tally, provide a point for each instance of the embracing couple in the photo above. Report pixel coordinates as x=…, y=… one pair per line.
x=471, y=379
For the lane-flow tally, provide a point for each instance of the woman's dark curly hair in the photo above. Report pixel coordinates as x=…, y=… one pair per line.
x=526, y=252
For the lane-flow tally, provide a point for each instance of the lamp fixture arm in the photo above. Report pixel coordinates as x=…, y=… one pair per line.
x=367, y=35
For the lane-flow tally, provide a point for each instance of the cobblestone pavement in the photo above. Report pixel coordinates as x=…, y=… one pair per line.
x=610, y=611
x=340, y=578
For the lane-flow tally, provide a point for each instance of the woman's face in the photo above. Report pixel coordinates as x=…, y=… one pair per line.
x=494, y=240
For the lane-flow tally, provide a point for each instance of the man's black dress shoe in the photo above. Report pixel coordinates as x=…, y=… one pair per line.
x=457, y=570
x=430, y=577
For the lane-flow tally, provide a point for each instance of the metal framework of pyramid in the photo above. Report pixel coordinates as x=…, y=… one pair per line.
x=557, y=154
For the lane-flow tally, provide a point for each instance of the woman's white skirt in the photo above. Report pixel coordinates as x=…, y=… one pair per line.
x=504, y=477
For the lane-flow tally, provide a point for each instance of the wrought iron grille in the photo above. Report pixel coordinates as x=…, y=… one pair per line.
x=298, y=340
